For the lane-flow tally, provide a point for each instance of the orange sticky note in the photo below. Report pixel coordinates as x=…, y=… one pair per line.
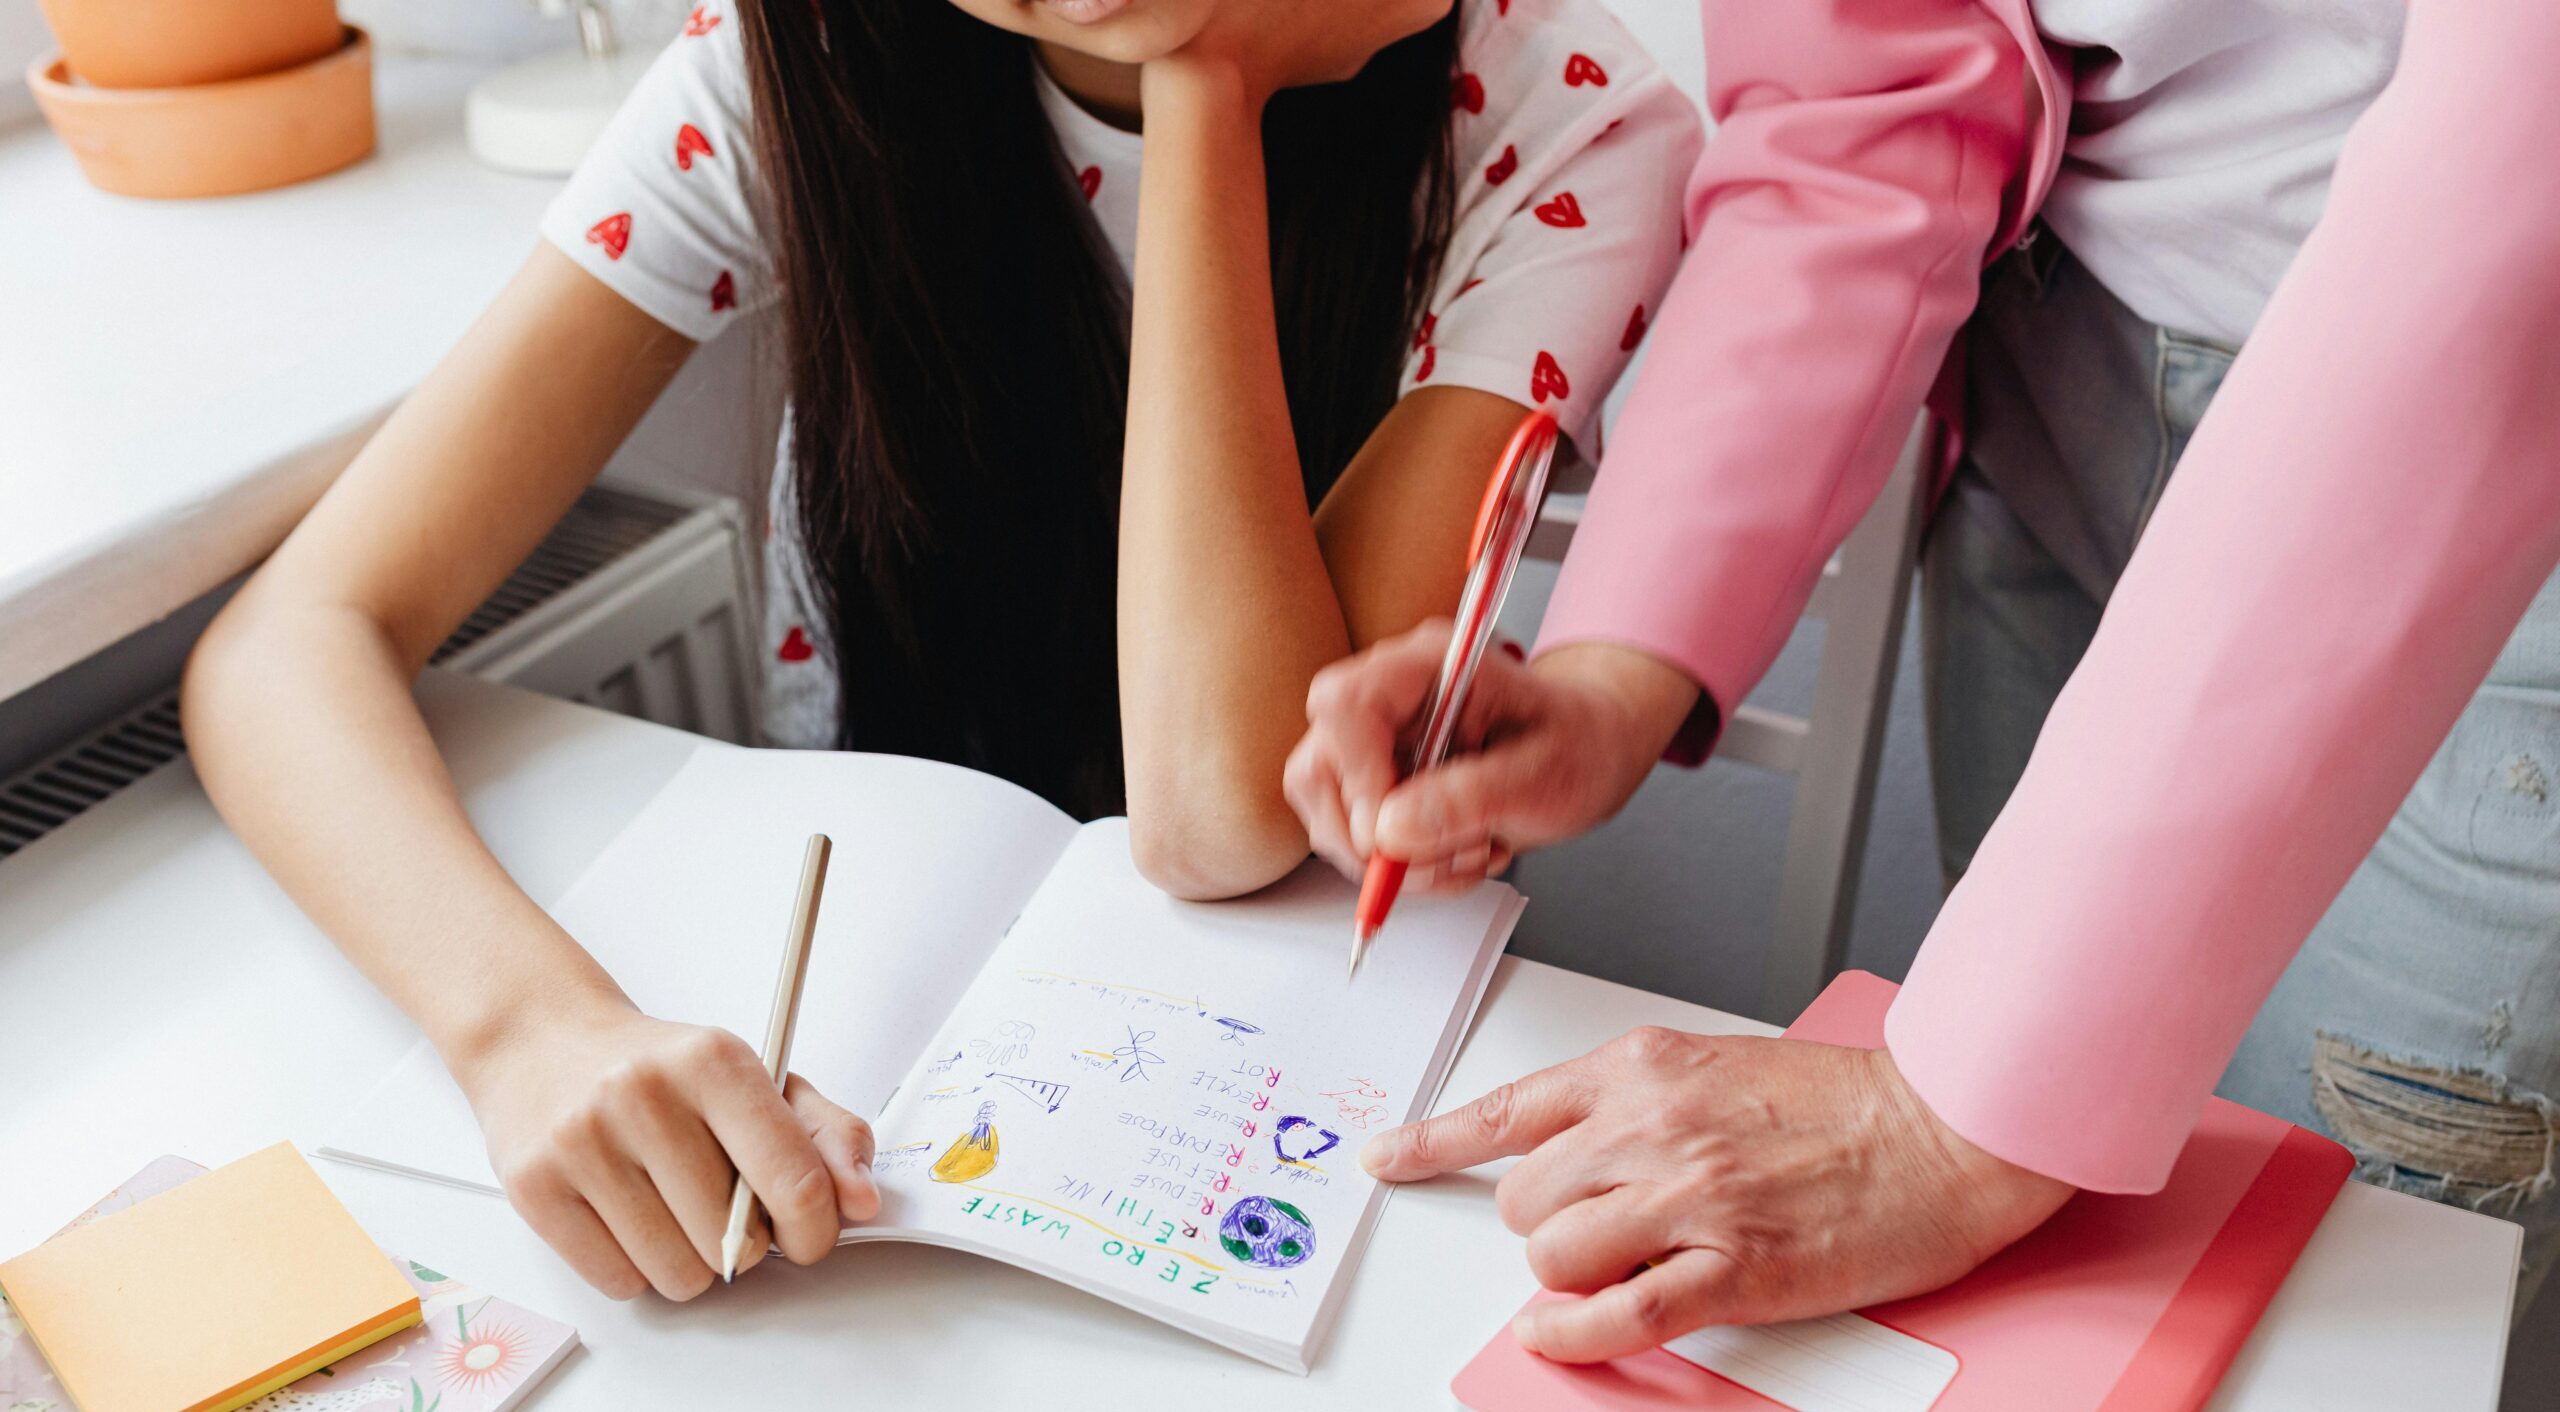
x=209, y=1296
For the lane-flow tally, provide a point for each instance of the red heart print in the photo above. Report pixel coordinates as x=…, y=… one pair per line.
x=700, y=22
x=1635, y=332
x=690, y=143
x=1564, y=212
x=795, y=647
x=1503, y=166
x=724, y=293
x=1582, y=69
x=1430, y=356
x=1546, y=379
x=613, y=233
x=1467, y=93
x=1422, y=335
x=1089, y=181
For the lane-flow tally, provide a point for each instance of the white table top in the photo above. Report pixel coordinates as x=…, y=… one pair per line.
x=158, y=994
x=179, y=380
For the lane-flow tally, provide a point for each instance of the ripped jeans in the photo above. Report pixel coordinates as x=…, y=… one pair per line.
x=2420, y=1025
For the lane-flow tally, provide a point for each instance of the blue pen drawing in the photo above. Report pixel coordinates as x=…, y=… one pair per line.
x=1007, y=1043
x=1041, y=1091
x=943, y=1065
x=1236, y=1029
x=1272, y=1234
x=1136, y=1054
x=899, y=1158
x=1295, y=1140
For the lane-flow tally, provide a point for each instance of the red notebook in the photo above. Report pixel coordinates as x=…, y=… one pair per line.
x=2117, y=1304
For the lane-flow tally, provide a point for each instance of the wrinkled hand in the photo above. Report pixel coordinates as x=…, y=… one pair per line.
x=617, y=1136
x=1767, y=1179
x=1277, y=44
x=1556, y=746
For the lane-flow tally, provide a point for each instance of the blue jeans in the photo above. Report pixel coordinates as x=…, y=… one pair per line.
x=2420, y=1025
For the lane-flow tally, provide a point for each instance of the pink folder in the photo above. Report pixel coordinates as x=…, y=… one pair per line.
x=2118, y=1304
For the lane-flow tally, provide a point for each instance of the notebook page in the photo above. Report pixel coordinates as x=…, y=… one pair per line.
x=1162, y=1101
x=688, y=906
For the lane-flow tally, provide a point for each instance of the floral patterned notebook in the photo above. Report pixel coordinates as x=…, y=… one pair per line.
x=471, y=1353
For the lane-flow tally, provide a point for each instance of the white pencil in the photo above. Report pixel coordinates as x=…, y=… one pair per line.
x=777, y=1033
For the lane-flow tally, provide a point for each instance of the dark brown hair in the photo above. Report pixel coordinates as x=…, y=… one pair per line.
x=957, y=340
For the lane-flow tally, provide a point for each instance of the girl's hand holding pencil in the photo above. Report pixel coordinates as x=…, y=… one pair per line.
x=618, y=1135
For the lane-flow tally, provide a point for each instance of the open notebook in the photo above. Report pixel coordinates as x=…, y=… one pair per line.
x=1152, y=1100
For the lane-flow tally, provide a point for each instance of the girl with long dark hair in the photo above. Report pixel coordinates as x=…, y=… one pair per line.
x=1098, y=447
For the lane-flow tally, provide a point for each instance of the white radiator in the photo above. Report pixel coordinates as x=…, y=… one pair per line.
x=636, y=602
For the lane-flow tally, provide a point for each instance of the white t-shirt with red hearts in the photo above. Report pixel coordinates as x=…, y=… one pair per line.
x=1573, y=150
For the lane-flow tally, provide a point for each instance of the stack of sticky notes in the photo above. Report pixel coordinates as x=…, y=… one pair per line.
x=211, y=1295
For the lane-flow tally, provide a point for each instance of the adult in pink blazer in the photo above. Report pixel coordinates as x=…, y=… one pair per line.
x=2350, y=540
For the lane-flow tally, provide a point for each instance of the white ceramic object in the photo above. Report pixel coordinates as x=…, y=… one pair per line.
x=541, y=116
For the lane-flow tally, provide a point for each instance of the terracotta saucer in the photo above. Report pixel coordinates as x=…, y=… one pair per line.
x=215, y=139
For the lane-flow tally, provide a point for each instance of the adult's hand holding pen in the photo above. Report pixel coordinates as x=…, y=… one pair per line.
x=1550, y=749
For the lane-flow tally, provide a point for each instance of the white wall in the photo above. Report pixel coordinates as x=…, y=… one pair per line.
x=500, y=28
x=23, y=36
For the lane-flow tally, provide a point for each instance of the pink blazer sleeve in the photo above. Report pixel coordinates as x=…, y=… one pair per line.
x=2356, y=528
x=1839, y=221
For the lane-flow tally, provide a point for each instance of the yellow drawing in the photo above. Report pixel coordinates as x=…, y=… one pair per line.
x=972, y=1154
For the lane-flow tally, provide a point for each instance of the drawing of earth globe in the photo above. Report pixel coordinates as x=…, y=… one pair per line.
x=1272, y=1234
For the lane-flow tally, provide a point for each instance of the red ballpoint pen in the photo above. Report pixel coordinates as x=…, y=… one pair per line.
x=1503, y=522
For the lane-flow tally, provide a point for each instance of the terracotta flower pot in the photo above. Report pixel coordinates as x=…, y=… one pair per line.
x=172, y=43
x=216, y=139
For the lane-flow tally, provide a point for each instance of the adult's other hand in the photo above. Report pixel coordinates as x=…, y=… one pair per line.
x=1683, y=1180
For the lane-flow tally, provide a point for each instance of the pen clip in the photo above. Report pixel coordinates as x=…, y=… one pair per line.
x=1501, y=534
x=1531, y=451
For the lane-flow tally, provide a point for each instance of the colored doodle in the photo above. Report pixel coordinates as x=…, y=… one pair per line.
x=1296, y=1139
x=1349, y=1107
x=1236, y=1029
x=1007, y=1043
x=899, y=1158
x=1138, y=1056
x=1272, y=1234
x=1041, y=1091
x=972, y=1154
